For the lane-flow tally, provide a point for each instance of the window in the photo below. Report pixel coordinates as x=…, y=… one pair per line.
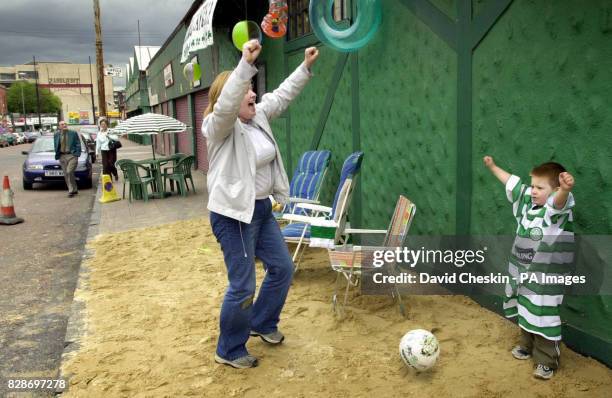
x=7, y=76
x=299, y=23
x=27, y=74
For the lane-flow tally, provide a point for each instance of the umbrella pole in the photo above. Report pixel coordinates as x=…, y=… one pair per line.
x=152, y=147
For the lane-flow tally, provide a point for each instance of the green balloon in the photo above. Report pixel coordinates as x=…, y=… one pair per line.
x=197, y=72
x=244, y=31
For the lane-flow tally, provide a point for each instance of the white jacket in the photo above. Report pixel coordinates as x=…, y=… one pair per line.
x=102, y=139
x=231, y=156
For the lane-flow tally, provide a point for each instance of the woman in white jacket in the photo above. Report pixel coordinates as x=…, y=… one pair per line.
x=245, y=169
x=109, y=156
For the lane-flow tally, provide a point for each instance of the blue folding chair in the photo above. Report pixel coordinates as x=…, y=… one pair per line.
x=307, y=181
x=299, y=229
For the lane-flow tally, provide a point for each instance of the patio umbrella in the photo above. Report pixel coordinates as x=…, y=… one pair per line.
x=150, y=124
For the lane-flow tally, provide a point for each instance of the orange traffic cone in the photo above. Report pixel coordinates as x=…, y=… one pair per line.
x=7, y=213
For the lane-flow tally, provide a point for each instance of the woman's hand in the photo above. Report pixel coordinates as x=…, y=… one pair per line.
x=310, y=56
x=251, y=50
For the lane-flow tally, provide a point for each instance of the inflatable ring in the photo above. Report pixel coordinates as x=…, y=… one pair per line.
x=369, y=16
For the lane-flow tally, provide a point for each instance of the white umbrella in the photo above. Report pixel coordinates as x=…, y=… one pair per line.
x=150, y=124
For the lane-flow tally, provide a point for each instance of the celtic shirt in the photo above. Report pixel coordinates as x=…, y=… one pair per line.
x=541, y=254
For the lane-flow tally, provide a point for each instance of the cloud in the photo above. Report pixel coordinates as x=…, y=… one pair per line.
x=63, y=30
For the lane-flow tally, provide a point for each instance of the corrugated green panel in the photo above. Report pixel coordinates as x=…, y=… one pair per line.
x=306, y=108
x=446, y=6
x=542, y=83
x=408, y=123
x=479, y=5
x=337, y=135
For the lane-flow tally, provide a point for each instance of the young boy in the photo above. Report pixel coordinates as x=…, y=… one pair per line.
x=542, y=248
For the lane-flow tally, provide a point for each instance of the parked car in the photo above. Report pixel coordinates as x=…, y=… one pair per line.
x=41, y=167
x=3, y=141
x=10, y=138
x=90, y=143
x=31, y=136
x=19, y=138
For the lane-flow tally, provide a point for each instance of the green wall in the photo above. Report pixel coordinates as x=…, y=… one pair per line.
x=542, y=84
x=225, y=57
x=539, y=89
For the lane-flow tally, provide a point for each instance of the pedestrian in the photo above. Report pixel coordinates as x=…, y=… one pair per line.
x=106, y=150
x=245, y=169
x=67, y=151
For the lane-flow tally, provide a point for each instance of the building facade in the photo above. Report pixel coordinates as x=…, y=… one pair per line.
x=74, y=84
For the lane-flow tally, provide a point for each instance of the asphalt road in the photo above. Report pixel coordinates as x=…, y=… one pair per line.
x=39, y=263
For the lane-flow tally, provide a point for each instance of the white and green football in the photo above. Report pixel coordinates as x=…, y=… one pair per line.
x=419, y=349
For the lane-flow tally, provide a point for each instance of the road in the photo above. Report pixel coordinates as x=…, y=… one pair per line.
x=39, y=263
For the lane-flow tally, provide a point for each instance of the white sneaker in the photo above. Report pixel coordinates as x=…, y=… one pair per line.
x=247, y=361
x=270, y=338
x=543, y=372
x=520, y=353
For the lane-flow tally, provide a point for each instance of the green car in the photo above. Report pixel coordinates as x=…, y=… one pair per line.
x=3, y=141
x=10, y=138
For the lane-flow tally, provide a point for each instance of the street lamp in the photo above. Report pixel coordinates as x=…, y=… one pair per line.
x=22, y=76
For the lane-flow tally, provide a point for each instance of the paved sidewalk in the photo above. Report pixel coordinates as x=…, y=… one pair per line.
x=123, y=215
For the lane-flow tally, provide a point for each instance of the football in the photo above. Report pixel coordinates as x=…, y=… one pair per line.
x=419, y=349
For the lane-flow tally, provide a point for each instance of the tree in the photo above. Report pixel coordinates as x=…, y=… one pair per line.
x=49, y=102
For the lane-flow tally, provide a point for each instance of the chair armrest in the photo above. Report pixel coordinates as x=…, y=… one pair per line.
x=309, y=206
x=298, y=218
x=365, y=231
x=302, y=200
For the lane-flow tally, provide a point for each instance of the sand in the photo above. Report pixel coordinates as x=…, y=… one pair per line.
x=152, y=302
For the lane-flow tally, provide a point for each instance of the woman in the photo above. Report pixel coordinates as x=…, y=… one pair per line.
x=245, y=169
x=109, y=156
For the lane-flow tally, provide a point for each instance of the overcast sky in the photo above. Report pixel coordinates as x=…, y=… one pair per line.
x=63, y=30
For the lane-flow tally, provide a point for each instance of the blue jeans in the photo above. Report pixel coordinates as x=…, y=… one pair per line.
x=241, y=243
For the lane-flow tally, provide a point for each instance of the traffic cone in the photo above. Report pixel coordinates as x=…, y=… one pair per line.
x=7, y=215
x=108, y=190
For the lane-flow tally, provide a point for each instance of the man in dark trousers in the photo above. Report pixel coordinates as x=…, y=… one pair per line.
x=67, y=151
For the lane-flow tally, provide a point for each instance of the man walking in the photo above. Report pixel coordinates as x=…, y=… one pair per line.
x=67, y=151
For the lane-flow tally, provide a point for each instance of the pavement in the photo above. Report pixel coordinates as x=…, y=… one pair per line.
x=123, y=215
x=39, y=266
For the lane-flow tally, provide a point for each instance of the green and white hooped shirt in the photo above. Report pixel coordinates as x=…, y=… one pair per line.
x=543, y=248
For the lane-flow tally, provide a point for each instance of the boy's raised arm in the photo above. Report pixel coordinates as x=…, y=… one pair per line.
x=501, y=174
x=566, y=183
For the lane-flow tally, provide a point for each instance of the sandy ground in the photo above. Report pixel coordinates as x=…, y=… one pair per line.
x=153, y=299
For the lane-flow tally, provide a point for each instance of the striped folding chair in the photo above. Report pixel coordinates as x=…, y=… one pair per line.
x=299, y=229
x=349, y=261
x=307, y=181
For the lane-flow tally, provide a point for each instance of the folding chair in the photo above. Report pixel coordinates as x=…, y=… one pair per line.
x=307, y=181
x=351, y=261
x=299, y=229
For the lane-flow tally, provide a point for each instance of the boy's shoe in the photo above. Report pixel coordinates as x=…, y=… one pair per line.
x=520, y=353
x=543, y=372
x=247, y=361
x=270, y=338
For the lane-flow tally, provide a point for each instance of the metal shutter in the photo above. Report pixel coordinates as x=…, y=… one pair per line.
x=201, y=102
x=182, y=114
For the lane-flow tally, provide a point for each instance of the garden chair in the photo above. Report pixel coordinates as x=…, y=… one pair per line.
x=179, y=174
x=137, y=182
x=351, y=261
x=307, y=181
x=118, y=164
x=299, y=229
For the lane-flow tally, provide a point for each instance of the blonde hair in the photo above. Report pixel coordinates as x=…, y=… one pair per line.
x=215, y=90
